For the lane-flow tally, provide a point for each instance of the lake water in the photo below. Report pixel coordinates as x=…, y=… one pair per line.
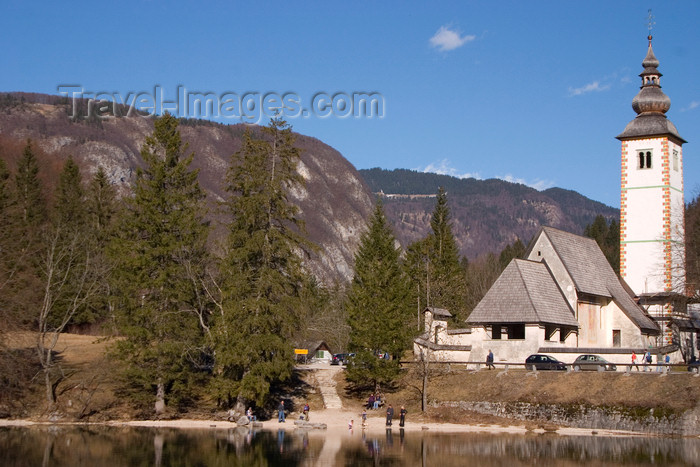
x=115, y=446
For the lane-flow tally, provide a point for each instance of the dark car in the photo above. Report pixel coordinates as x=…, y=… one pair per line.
x=593, y=363
x=694, y=365
x=543, y=362
x=338, y=358
x=342, y=358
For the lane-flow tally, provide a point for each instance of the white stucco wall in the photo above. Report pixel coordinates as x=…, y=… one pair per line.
x=651, y=212
x=543, y=250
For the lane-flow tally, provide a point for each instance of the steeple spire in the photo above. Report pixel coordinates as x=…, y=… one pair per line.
x=650, y=104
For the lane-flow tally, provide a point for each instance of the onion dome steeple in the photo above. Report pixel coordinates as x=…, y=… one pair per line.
x=650, y=104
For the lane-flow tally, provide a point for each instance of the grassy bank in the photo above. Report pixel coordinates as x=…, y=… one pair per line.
x=90, y=391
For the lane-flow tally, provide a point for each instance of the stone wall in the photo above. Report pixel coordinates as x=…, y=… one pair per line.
x=638, y=419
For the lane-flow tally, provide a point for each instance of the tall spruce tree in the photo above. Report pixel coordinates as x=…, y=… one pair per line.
x=439, y=280
x=101, y=204
x=379, y=306
x=160, y=256
x=261, y=274
x=27, y=231
x=607, y=236
x=692, y=249
x=101, y=213
x=69, y=275
x=28, y=188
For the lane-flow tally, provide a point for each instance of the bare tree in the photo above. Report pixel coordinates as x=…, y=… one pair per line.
x=71, y=276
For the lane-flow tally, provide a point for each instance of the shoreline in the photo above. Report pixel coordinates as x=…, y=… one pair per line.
x=337, y=423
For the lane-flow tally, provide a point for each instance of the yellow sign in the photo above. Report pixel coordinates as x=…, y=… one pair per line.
x=301, y=351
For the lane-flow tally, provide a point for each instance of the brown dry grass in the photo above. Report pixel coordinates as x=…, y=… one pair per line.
x=678, y=391
x=90, y=388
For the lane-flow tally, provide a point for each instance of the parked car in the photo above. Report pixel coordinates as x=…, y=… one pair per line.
x=694, y=365
x=543, y=362
x=341, y=358
x=593, y=363
x=338, y=358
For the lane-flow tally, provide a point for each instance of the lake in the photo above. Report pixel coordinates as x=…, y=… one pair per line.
x=127, y=446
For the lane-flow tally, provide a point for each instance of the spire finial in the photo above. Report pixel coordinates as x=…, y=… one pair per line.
x=650, y=24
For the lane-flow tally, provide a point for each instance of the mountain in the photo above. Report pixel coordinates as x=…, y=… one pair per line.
x=337, y=200
x=487, y=215
x=334, y=203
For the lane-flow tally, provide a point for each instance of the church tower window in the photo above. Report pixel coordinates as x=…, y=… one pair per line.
x=644, y=159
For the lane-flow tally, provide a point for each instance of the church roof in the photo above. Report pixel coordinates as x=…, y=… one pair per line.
x=593, y=275
x=524, y=293
x=438, y=312
x=651, y=105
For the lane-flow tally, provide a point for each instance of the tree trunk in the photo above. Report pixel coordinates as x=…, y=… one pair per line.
x=239, y=407
x=424, y=392
x=160, y=399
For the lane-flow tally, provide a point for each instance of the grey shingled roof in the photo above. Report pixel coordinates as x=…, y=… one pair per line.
x=438, y=312
x=652, y=124
x=524, y=293
x=592, y=274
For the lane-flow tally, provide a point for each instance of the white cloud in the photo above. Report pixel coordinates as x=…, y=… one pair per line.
x=693, y=105
x=595, y=86
x=443, y=168
x=446, y=39
x=538, y=185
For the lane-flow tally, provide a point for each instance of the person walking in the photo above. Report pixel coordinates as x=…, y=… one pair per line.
x=634, y=361
x=389, y=415
x=489, y=360
x=280, y=413
x=402, y=416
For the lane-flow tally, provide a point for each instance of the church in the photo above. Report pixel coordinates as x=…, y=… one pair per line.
x=564, y=299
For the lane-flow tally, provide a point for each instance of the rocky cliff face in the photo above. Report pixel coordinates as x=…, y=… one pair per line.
x=334, y=203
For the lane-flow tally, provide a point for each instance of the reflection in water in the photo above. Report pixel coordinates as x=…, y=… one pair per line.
x=112, y=446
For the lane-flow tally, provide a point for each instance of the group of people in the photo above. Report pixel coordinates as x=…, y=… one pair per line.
x=390, y=415
x=374, y=401
x=281, y=412
x=647, y=360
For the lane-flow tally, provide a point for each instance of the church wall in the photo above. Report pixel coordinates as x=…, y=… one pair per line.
x=630, y=335
x=511, y=351
x=650, y=212
x=543, y=250
x=443, y=355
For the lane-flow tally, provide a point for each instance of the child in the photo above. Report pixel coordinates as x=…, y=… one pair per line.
x=364, y=418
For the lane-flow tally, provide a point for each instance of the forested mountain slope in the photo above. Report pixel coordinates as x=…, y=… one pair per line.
x=487, y=215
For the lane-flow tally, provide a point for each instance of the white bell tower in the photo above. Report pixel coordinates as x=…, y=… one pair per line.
x=652, y=243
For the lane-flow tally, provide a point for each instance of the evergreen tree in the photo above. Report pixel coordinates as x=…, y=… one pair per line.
x=100, y=212
x=28, y=188
x=70, y=197
x=27, y=229
x=607, y=236
x=379, y=306
x=160, y=257
x=68, y=273
x=434, y=264
x=68, y=232
x=7, y=242
x=692, y=249
x=262, y=274
x=101, y=204
x=511, y=252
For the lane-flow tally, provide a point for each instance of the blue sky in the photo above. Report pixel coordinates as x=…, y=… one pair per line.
x=533, y=92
